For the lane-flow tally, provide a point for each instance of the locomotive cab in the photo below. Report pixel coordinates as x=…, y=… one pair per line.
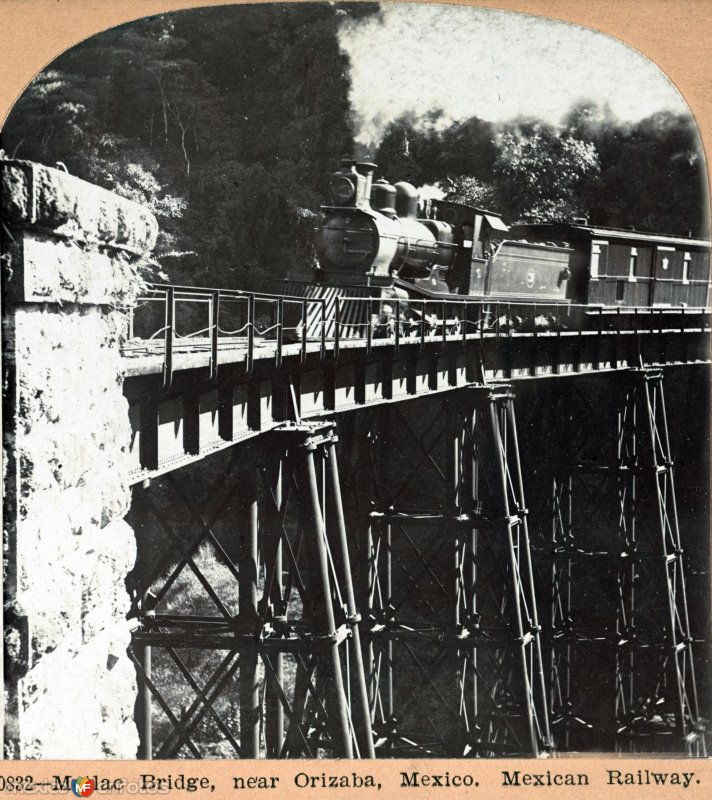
x=476, y=234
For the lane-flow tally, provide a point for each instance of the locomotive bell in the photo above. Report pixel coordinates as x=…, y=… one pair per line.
x=383, y=197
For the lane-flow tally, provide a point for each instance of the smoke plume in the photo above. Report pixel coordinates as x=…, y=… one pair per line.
x=496, y=65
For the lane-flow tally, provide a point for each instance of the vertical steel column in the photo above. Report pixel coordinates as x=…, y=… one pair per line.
x=249, y=685
x=528, y=580
x=472, y=577
x=678, y=639
x=378, y=685
x=372, y=570
x=337, y=696
x=629, y=567
x=140, y=515
x=509, y=523
x=274, y=712
x=146, y=711
x=390, y=697
x=390, y=694
x=454, y=499
x=362, y=715
x=380, y=538
x=462, y=509
x=561, y=650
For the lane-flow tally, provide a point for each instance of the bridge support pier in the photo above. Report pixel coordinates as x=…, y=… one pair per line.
x=455, y=663
x=71, y=256
x=294, y=634
x=655, y=701
x=621, y=661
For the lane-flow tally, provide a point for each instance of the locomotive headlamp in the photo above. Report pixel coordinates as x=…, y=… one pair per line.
x=342, y=190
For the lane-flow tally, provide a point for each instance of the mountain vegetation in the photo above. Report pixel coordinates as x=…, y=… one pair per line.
x=225, y=121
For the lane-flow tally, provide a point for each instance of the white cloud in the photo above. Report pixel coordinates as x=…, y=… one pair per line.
x=492, y=64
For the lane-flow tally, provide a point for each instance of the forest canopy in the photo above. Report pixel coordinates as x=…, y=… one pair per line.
x=227, y=122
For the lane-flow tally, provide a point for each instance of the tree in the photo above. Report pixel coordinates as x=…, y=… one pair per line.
x=541, y=172
x=652, y=173
x=225, y=121
x=426, y=149
x=399, y=154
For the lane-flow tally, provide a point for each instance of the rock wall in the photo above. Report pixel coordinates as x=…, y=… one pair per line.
x=71, y=264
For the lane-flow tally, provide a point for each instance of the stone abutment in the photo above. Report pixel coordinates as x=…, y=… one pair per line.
x=72, y=257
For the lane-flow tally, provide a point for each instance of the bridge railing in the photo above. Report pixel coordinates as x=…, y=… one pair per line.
x=172, y=318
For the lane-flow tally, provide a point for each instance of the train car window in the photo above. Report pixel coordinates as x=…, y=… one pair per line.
x=599, y=258
x=633, y=264
x=686, y=264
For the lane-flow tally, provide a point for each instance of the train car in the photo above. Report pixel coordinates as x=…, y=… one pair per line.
x=612, y=267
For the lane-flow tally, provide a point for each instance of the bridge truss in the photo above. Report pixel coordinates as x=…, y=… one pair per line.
x=400, y=610
x=284, y=619
x=618, y=593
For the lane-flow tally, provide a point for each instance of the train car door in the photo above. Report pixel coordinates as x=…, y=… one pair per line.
x=662, y=279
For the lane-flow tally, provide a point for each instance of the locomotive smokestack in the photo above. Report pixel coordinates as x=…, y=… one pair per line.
x=366, y=168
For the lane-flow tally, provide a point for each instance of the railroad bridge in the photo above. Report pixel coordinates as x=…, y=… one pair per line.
x=254, y=526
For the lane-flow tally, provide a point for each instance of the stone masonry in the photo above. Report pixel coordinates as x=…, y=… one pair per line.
x=72, y=256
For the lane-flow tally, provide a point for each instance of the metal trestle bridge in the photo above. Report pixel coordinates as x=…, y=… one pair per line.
x=336, y=556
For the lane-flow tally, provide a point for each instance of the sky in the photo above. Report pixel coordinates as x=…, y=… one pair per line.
x=492, y=64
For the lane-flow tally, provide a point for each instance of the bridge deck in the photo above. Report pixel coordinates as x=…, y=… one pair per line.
x=146, y=357
x=256, y=361
x=184, y=411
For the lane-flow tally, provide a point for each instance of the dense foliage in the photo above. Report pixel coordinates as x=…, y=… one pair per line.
x=227, y=122
x=649, y=175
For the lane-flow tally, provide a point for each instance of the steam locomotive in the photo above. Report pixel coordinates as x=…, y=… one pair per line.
x=376, y=240
x=371, y=234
